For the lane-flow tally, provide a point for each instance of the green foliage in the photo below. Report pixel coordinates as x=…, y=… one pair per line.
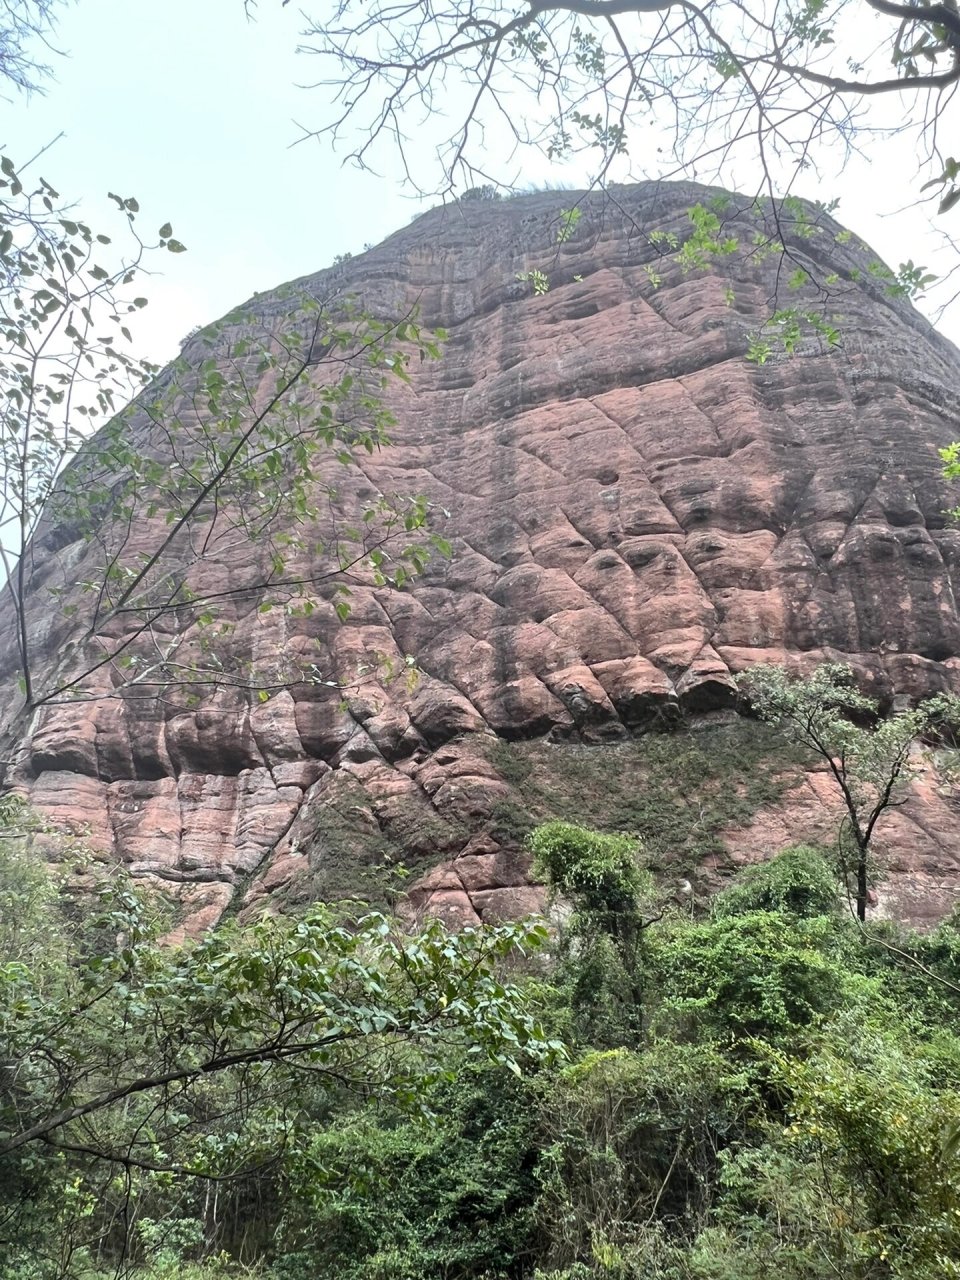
x=599, y=873
x=787, y=1116
x=279, y=990
x=538, y=280
x=133, y=1071
x=908, y=281
x=627, y=1139
x=947, y=179
x=707, y=240
x=602, y=878
x=758, y=974
x=66, y=300
x=763, y=1092
x=569, y=221
x=864, y=1111
x=29, y=929
x=393, y=1195
x=787, y=326
x=950, y=456
x=798, y=881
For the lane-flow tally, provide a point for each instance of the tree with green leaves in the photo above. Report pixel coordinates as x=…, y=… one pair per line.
x=869, y=757
x=788, y=1106
x=64, y=320
x=145, y=482
x=319, y=995
x=135, y=1071
x=751, y=97
x=610, y=894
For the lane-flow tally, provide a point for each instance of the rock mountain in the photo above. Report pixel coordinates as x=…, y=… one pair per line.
x=636, y=513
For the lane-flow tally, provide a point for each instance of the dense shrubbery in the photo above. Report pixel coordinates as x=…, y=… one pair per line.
x=161, y=1103
x=760, y=1091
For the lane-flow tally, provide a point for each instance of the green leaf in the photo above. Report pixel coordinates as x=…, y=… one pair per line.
x=166, y=231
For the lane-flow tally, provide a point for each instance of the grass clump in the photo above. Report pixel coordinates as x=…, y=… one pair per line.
x=677, y=791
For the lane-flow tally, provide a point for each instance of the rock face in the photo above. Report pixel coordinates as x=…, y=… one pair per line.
x=636, y=514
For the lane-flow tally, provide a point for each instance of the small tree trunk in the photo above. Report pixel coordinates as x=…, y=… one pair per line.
x=861, y=883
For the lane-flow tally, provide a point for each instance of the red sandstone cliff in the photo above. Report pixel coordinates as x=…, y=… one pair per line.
x=636, y=513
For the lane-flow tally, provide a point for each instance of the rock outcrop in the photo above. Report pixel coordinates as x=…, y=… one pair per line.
x=636, y=512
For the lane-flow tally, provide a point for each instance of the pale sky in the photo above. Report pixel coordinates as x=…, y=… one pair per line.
x=192, y=109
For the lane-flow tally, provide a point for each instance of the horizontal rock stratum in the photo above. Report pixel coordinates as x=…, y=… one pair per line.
x=636, y=513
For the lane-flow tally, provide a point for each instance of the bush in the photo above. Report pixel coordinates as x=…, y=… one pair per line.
x=485, y=192
x=798, y=881
x=598, y=873
x=629, y=1149
x=762, y=974
x=399, y=1198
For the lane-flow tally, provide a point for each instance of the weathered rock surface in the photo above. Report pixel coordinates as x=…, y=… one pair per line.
x=636, y=512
